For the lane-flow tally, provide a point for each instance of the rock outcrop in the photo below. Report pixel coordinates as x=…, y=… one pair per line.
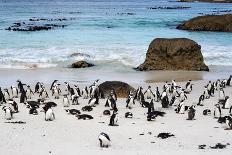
x=221, y=23
x=173, y=54
x=122, y=89
x=81, y=64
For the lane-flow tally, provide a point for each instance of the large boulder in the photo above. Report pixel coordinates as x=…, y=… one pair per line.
x=221, y=23
x=173, y=54
x=81, y=64
x=122, y=89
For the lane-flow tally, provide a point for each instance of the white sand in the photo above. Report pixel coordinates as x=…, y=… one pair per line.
x=68, y=135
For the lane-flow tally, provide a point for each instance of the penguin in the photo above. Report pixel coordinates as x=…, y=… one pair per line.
x=182, y=96
x=29, y=92
x=114, y=119
x=93, y=101
x=130, y=101
x=23, y=97
x=104, y=140
x=53, y=84
x=106, y=112
x=75, y=100
x=128, y=115
x=2, y=97
x=14, y=92
x=148, y=93
x=38, y=87
x=228, y=82
x=152, y=115
x=84, y=116
x=206, y=93
x=226, y=103
x=114, y=94
x=188, y=87
x=6, y=94
x=206, y=112
x=43, y=94
x=221, y=95
x=33, y=111
x=181, y=108
x=8, y=112
x=73, y=111
x=191, y=113
x=14, y=106
x=229, y=122
x=56, y=92
x=139, y=93
x=143, y=103
x=150, y=107
x=165, y=102
x=66, y=102
x=217, y=111
x=67, y=87
x=49, y=114
x=85, y=93
x=201, y=100
x=20, y=85
x=77, y=90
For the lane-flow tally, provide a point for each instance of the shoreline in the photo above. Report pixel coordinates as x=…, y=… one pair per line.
x=88, y=75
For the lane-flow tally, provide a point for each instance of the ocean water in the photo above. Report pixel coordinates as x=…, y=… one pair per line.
x=102, y=29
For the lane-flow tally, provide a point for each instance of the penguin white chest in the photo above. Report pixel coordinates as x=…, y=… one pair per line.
x=8, y=114
x=49, y=116
x=66, y=102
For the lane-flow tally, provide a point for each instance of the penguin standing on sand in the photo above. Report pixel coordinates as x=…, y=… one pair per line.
x=29, y=92
x=206, y=93
x=23, y=97
x=104, y=140
x=228, y=82
x=53, y=84
x=94, y=101
x=8, y=113
x=67, y=87
x=217, y=111
x=14, y=106
x=43, y=94
x=38, y=87
x=191, y=113
x=157, y=95
x=182, y=96
x=85, y=93
x=221, y=95
x=77, y=90
x=188, y=87
x=56, y=92
x=2, y=98
x=49, y=114
x=14, y=92
x=139, y=93
x=20, y=86
x=148, y=93
x=201, y=100
x=226, y=104
x=181, y=108
x=130, y=101
x=66, y=102
x=114, y=119
x=6, y=94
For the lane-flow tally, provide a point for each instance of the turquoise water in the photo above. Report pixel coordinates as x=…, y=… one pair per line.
x=102, y=29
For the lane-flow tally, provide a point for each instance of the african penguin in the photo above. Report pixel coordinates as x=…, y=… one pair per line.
x=104, y=140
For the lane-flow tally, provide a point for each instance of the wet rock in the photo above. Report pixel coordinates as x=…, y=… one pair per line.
x=173, y=54
x=219, y=23
x=82, y=64
x=122, y=89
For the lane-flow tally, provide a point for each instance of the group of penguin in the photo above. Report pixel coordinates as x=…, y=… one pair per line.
x=170, y=95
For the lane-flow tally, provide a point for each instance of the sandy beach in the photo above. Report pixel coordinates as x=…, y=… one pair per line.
x=68, y=135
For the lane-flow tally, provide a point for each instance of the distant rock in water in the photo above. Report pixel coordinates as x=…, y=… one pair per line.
x=81, y=64
x=211, y=1
x=37, y=24
x=168, y=7
x=220, y=23
x=122, y=89
x=79, y=54
x=173, y=54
